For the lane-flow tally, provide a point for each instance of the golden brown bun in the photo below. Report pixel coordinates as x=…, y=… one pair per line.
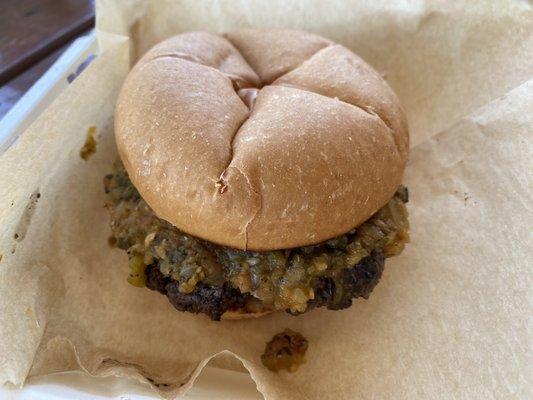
x=323, y=147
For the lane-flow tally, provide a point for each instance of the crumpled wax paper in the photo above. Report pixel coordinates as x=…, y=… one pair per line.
x=451, y=317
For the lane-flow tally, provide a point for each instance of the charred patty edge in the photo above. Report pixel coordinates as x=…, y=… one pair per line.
x=214, y=301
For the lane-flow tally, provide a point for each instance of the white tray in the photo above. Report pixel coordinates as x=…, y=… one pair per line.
x=213, y=383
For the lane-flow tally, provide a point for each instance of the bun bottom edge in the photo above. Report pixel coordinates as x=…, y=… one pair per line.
x=241, y=314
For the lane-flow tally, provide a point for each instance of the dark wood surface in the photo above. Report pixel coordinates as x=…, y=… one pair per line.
x=33, y=34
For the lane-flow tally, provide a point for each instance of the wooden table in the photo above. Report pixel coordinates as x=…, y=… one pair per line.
x=33, y=34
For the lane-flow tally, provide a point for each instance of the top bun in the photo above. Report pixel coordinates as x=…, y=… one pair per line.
x=260, y=139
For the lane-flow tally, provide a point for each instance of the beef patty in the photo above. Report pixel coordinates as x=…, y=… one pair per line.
x=214, y=301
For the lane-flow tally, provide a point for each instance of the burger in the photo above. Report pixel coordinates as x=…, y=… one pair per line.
x=260, y=170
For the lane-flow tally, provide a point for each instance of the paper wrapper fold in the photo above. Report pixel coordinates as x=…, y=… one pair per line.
x=452, y=315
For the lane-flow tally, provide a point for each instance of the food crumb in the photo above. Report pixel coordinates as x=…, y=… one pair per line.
x=467, y=197
x=286, y=350
x=1, y=256
x=111, y=241
x=89, y=147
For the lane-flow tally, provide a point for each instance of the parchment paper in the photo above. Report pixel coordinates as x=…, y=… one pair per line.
x=451, y=317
